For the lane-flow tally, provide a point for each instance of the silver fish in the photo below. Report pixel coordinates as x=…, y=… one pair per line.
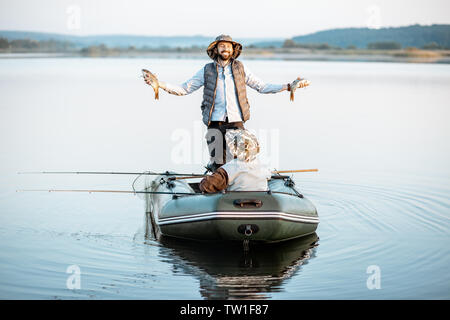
x=152, y=80
x=298, y=83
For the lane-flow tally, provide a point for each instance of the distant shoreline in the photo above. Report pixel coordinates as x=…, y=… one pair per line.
x=295, y=54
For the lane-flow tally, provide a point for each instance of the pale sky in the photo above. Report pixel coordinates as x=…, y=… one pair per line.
x=261, y=18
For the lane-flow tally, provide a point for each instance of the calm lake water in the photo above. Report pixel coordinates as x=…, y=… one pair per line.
x=378, y=133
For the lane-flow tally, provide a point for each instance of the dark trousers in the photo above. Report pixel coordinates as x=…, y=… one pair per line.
x=215, y=138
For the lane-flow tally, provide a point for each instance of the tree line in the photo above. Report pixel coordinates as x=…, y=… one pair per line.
x=380, y=45
x=30, y=45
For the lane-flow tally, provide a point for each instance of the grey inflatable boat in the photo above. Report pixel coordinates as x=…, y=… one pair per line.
x=176, y=208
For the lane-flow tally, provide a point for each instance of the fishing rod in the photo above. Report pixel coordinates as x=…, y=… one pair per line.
x=175, y=194
x=107, y=191
x=182, y=175
x=137, y=174
x=175, y=176
x=124, y=173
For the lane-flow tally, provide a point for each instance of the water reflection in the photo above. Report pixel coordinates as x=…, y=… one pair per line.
x=226, y=271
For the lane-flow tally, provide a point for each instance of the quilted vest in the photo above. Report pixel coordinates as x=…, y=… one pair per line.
x=211, y=72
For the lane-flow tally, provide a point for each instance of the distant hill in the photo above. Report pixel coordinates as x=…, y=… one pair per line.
x=410, y=36
x=268, y=44
x=125, y=41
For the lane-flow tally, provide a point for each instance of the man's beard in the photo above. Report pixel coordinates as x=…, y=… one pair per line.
x=225, y=56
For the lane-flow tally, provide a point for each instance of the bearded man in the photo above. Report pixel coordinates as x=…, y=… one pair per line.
x=225, y=105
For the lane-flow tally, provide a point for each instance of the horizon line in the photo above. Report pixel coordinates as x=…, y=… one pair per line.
x=210, y=36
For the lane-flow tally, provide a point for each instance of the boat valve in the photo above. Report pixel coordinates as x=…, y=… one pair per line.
x=248, y=229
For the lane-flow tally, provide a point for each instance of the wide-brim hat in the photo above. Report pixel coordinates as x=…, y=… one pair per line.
x=212, y=48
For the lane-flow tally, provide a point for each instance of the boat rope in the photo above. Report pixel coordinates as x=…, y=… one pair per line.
x=288, y=181
x=134, y=181
x=245, y=245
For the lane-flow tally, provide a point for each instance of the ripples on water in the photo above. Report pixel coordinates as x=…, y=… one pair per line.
x=403, y=231
x=397, y=221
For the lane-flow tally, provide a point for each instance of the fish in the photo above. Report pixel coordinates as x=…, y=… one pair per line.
x=152, y=80
x=298, y=83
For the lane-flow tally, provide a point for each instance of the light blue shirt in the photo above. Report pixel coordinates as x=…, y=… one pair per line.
x=226, y=102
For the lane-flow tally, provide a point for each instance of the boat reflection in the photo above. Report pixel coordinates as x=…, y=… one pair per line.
x=229, y=272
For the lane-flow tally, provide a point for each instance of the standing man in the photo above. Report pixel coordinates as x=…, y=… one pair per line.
x=225, y=105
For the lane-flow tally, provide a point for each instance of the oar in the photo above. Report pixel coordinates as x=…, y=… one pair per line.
x=275, y=172
x=187, y=177
x=294, y=171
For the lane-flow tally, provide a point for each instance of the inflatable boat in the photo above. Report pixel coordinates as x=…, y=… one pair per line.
x=176, y=208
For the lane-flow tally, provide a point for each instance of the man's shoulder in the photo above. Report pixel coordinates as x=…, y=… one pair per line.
x=238, y=63
x=231, y=166
x=209, y=66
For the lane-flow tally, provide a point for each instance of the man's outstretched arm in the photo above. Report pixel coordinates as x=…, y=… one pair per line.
x=256, y=83
x=187, y=87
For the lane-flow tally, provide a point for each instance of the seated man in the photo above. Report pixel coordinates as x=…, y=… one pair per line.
x=244, y=172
